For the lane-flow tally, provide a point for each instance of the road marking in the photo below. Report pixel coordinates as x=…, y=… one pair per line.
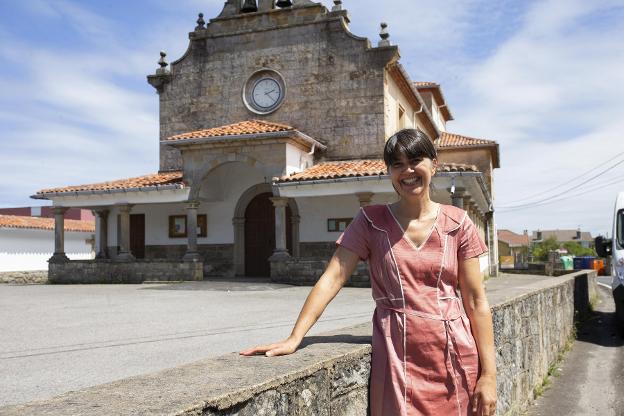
x=604, y=285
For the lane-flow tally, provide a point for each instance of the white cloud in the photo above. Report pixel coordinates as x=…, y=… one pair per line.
x=551, y=96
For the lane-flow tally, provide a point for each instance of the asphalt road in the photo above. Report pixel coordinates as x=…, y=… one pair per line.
x=591, y=378
x=58, y=338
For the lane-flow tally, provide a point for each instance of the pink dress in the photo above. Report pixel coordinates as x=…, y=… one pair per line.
x=425, y=360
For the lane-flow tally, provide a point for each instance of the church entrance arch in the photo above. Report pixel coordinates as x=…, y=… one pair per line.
x=260, y=235
x=254, y=231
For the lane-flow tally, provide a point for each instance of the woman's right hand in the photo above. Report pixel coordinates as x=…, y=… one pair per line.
x=288, y=346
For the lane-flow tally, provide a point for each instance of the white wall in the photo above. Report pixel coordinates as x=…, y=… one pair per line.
x=220, y=193
x=394, y=97
x=315, y=212
x=24, y=249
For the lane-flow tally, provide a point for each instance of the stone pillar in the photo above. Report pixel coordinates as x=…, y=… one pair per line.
x=457, y=198
x=364, y=198
x=102, y=233
x=191, y=233
x=59, y=255
x=281, y=252
x=124, y=230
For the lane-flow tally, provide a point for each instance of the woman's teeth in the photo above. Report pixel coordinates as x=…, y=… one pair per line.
x=410, y=181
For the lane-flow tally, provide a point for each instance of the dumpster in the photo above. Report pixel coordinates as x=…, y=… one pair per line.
x=567, y=262
x=583, y=262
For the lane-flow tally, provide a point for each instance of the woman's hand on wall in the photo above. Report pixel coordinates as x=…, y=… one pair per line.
x=285, y=347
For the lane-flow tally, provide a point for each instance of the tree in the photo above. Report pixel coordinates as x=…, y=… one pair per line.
x=576, y=249
x=541, y=250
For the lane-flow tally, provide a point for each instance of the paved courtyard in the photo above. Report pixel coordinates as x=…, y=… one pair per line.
x=60, y=338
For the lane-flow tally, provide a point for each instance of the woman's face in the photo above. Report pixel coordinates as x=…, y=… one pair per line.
x=411, y=178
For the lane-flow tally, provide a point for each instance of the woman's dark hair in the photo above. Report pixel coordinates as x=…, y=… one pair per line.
x=411, y=143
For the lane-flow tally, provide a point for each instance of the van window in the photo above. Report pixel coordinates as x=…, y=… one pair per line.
x=619, y=229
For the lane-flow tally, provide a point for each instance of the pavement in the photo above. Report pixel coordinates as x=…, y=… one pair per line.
x=56, y=338
x=590, y=380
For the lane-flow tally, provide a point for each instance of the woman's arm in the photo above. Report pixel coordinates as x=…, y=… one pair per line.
x=336, y=274
x=478, y=311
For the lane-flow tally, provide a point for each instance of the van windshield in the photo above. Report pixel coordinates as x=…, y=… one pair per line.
x=619, y=228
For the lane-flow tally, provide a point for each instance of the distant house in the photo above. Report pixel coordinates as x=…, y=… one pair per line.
x=583, y=237
x=514, y=245
x=27, y=242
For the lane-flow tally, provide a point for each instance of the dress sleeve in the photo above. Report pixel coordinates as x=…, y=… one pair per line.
x=356, y=236
x=470, y=243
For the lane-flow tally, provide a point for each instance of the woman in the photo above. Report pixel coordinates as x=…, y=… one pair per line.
x=433, y=352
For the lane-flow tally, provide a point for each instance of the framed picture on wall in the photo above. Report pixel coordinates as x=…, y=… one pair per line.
x=177, y=226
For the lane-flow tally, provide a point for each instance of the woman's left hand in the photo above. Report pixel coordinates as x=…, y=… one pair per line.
x=484, y=397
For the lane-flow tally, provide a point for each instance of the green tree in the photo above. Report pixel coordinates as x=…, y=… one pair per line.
x=576, y=249
x=541, y=250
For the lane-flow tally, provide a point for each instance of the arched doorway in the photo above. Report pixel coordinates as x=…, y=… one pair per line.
x=260, y=235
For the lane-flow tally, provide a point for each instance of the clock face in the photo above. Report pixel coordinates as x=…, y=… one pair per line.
x=266, y=93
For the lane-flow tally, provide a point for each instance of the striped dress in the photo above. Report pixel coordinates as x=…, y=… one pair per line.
x=425, y=360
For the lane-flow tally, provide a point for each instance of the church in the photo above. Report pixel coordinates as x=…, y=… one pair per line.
x=272, y=127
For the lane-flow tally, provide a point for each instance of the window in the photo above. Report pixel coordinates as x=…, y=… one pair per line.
x=177, y=226
x=619, y=228
x=338, y=224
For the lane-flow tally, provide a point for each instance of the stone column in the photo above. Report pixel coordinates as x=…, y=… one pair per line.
x=59, y=255
x=457, y=198
x=191, y=233
x=124, y=230
x=102, y=233
x=364, y=198
x=281, y=252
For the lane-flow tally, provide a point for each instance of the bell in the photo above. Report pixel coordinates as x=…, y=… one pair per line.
x=249, y=6
x=283, y=3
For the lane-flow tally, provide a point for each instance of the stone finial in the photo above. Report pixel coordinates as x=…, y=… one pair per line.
x=162, y=62
x=283, y=3
x=384, y=35
x=337, y=6
x=201, y=23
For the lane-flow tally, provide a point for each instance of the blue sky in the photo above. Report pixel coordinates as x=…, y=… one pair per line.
x=543, y=78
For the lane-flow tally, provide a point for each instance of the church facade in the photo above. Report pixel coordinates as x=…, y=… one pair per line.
x=272, y=126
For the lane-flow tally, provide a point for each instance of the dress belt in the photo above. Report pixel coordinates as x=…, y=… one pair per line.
x=450, y=351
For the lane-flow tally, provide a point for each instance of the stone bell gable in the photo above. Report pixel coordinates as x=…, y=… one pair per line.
x=333, y=81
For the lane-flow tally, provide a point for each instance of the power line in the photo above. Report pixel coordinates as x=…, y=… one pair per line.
x=568, y=181
x=602, y=186
x=566, y=190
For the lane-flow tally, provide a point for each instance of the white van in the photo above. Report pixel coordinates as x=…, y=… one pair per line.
x=615, y=248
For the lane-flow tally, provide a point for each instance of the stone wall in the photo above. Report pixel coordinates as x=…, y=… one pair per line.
x=111, y=271
x=306, y=272
x=27, y=277
x=533, y=319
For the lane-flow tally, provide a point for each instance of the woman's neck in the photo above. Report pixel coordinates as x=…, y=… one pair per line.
x=415, y=208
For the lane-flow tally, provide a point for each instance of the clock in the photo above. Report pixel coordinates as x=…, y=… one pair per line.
x=264, y=91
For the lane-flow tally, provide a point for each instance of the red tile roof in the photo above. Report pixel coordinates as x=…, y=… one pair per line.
x=455, y=140
x=153, y=180
x=359, y=168
x=16, y=221
x=513, y=239
x=241, y=128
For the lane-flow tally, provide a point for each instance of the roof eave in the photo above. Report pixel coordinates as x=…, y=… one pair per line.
x=233, y=138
